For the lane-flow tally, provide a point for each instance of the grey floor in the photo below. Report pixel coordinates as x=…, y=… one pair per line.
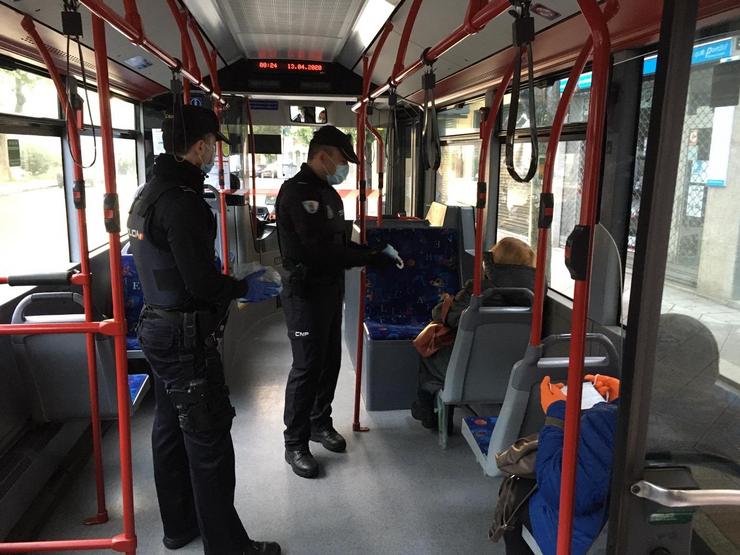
x=393, y=492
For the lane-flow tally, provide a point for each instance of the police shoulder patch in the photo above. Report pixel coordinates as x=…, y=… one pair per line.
x=311, y=206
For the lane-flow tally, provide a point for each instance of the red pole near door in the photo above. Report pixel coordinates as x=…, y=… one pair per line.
x=112, y=220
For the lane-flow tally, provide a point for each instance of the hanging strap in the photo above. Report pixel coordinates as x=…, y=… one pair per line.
x=431, y=145
x=523, y=31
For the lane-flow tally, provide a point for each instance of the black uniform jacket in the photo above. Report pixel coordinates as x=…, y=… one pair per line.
x=311, y=228
x=182, y=227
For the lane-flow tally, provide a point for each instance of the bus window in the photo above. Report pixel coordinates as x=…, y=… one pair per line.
x=126, y=180
x=703, y=267
x=458, y=173
x=122, y=112
x=518, y=204
x=33, y=221
x=27, y=94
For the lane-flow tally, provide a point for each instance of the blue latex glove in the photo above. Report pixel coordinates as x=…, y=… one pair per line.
x=259, y=290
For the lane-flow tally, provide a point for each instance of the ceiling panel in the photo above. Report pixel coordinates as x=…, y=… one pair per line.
x=436, y=20
x=301, y=29
x=157, y=20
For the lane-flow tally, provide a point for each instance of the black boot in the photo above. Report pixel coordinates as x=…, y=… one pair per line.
x=330, y=439
x=181, y=541
x=302, y=462
x=425, y=414
x=264, y=548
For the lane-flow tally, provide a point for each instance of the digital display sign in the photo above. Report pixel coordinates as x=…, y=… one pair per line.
x=286, y=66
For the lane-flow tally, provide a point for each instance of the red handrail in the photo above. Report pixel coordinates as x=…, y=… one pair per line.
x=125, y=542
x=538, y=305
x=405, y=38
x=479, y=21
x=73, y=137
x=188, y=54
x=116, y=281
x=594, y=135
x=482, y=164
x=381, y=166
x=361, y=121
x=134, y=33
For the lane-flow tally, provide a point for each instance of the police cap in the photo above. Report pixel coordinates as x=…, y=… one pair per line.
x=189, y=125
x=328, y=135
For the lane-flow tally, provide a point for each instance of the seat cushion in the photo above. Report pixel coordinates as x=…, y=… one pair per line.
x=380, y=331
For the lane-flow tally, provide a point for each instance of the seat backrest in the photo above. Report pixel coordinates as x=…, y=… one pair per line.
x=489, y=341
x=431, y=269
x=133, y=296
x=54, y=366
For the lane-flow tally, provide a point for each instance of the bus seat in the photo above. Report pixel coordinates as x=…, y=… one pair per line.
x=133, y=301
x=520, y=412
x=54, y=366
x=489, y=341
x=461, y=218
x=398, y=306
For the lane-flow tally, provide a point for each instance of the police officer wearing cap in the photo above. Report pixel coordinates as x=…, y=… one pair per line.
x=172, y=232
x=316, y=251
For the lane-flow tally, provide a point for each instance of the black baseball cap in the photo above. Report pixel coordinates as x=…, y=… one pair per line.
x=188, y=125
x=328, y=135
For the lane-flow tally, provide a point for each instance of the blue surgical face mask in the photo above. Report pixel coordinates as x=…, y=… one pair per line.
x=207, y=167
x=341, y=172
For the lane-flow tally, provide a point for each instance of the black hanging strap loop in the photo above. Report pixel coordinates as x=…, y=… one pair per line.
x=431, y=145
x=523, y=35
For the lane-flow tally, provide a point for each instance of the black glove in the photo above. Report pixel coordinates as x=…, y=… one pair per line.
x=379, y=259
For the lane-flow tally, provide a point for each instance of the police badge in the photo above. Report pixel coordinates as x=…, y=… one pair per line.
x=311, y=206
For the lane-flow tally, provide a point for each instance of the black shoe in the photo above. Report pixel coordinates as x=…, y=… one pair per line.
x=267, y=548
x=425, y=414
x=302, y=462
x=330, y=439
x=182, y=541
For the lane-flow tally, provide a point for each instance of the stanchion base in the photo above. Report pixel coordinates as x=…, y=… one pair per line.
x=358, y=428
x=100, y=518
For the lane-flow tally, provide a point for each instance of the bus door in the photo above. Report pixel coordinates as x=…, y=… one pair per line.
x=676, y=486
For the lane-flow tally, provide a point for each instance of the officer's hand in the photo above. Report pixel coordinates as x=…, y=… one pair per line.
x=378, y=259
x=607, y=386
x=259, y=290
x=550, y=392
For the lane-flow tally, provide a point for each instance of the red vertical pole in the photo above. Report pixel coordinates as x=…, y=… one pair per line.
x=73, y=119
x=381, y=166
x=482, y=165
x=114, y=242
x=538, y=305
x=594, y=135
x=361, y=122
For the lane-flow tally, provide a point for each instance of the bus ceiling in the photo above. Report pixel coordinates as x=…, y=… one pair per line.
x=315, y=48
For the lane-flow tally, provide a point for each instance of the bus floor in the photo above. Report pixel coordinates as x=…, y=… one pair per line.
x=393, y=492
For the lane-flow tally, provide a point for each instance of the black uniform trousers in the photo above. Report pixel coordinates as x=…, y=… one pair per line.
x=314, y=321
x=191, y=439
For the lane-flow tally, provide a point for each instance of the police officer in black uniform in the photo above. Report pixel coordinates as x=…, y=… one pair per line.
x=316, y=251
x=172, y=232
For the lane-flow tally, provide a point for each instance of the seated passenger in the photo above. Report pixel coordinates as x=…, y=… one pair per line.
x=513, y=266
x=593, y=474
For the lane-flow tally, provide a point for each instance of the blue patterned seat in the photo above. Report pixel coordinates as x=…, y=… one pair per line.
x=399, y=303
x=133, y=298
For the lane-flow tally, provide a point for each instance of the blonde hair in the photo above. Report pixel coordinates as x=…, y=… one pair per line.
x=510, y=250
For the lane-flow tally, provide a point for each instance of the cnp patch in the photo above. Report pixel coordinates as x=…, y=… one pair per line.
x=311, y=206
